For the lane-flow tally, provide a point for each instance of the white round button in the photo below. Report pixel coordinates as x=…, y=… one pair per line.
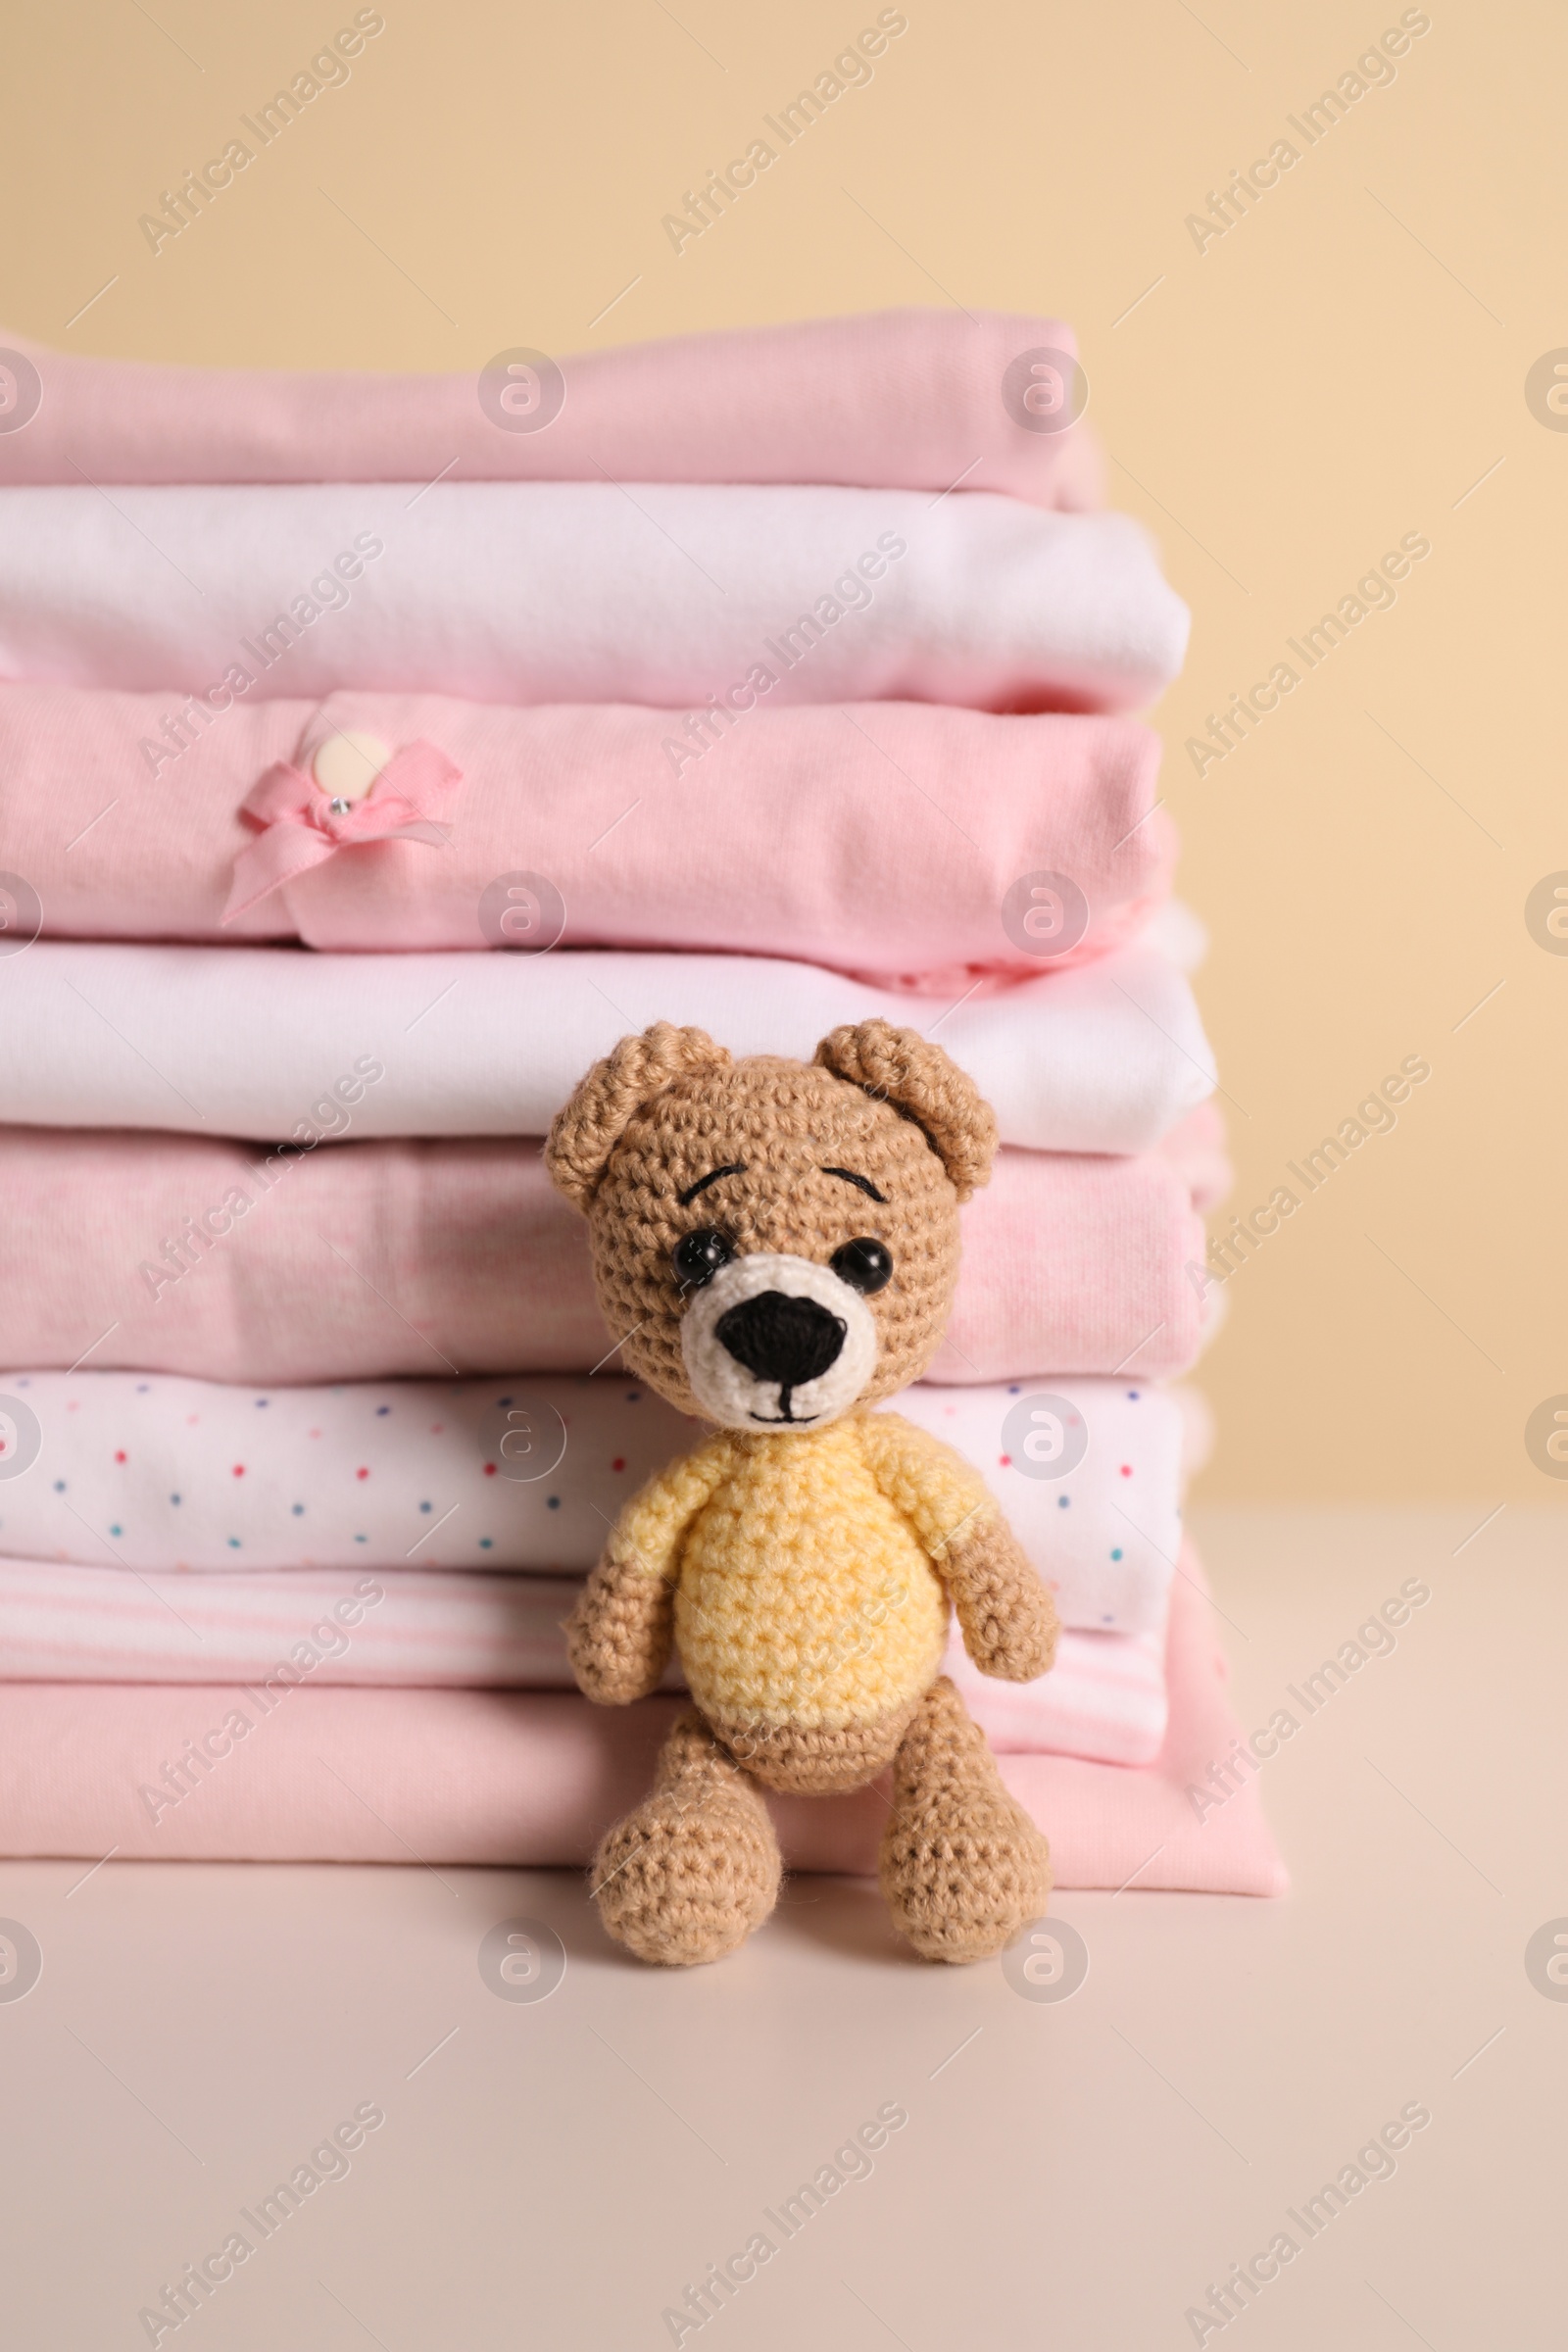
x=348, y=765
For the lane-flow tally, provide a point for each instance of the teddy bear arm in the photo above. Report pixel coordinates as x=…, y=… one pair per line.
x=620, y=1635
x=1005, y=1611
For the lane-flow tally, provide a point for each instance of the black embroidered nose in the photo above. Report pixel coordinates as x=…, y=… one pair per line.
x=792, y=1341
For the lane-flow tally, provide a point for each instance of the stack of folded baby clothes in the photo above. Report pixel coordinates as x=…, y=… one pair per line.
x=376, y=753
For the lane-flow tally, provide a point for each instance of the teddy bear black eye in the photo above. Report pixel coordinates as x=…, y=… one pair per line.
x=866, y=1266
x=697, y=1257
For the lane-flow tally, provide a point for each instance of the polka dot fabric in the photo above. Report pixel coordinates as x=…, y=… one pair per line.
x=157, y=1474
x=1105, y=1536
x=150, y=1472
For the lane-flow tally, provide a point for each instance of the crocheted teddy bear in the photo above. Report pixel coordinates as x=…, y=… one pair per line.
x=775, y=1245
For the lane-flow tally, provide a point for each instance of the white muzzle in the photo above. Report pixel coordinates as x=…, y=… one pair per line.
x=777, y=1343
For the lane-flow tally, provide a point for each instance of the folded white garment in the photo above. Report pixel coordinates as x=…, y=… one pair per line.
x=278, y=1043
x=585, y=592
x=154, y=1472
x=1104, y=1699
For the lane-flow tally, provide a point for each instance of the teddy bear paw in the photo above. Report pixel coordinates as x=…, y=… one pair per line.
x=963, y=1866
x=687, y=1877
x=964, y=1893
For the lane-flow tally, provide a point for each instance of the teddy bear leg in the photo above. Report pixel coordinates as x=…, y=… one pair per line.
x=688, y=1875
x=963, y=1865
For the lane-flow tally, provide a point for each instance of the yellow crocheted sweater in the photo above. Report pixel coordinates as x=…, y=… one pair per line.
x=806, y=1589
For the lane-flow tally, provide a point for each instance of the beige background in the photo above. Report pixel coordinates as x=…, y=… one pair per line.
x=1345, y=366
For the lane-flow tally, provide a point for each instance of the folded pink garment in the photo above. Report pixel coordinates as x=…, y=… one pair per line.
x=1198, y=1146
x=885, y=837
x=401, y=1626
x=1076, y=1263
x=1104, y=1699
x=915, y=400
x=491, y=1778
x=175, y=1253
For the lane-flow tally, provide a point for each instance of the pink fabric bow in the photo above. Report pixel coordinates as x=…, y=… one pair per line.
x=298, y=826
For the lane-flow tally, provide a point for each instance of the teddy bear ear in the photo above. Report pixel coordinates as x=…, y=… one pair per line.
x=603, y=1103
x=926, y=1086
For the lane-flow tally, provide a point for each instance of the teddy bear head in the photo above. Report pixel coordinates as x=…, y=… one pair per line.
x=774, y=1242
